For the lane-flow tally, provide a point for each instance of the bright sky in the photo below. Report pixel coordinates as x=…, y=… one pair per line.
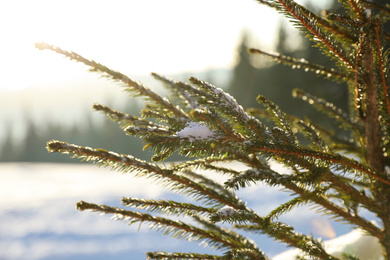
x=136, y=37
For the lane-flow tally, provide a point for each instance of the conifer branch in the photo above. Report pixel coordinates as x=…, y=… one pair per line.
x=105, y=158
x=336, y=143
x=234, y=236
x=169, y=207
x=176, y=88
x=133, y=86
x=346, y=187
x=287, y=206
x=294, y=10
x=305, y=65
x=273, y=178
x=383, y=8
x=357, y=8
x=296, y=152
x=124, y=119
x=282, y=232
x=177, y=229
x=280, y=119
x=345, y=20
x=146, y=131
x=181, y=256
x=220, y=123
x=381, y=67
x=321, y=21
x=243, y=253
x=337, y=31
x=267, y=3
x=158, y=114
x=279, y=230
x=313, y=135
x=358, y=75
x=330, y=109
x=222, y=100
x=206, y=165
x=204, y=180
x=127, y=163
x=331, y=28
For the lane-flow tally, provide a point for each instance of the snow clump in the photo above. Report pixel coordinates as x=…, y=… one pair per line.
x=226, y=211
x=196, y=131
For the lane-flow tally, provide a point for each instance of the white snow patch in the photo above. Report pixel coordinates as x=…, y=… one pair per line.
x=34, y=184
x=355, y=243
x=196, y=131
x=226, y=211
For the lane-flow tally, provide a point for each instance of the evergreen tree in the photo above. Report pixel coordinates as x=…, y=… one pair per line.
x=339, y=176
x=244, y=85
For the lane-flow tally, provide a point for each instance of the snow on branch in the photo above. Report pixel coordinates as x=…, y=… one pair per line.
x=196, y=131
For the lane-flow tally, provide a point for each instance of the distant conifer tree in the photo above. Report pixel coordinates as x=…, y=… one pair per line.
x=340, y=176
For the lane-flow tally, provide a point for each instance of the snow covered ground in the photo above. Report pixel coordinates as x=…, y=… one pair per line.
x=38, y=219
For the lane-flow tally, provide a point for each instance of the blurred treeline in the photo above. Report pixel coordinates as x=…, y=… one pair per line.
x=252, y=75
x=105, y=134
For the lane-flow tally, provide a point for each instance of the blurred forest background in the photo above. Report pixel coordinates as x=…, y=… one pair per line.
x=251, y=76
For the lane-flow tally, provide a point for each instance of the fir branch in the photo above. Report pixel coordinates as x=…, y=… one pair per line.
x=176, y=88
x=310, y=23
x=124, y=119
x=267, y=3
x=281, y=120
x=382, y=70
x=227, y=150
x=206, y=165
x=243, y=253
x=146, y=131
x=358, y=9
x=161, y=116
x=222, y=100
x=331, y=28
x=304, y=64
x=177, y=229
x=234, y=236
x=218, y=122
x=345, y=20
x=287, y=206
x=313, y=135
x=346, y=28
x=127, y=163
x=282, y=232
x=169, y=207
x=344, y=186
x=132, y=85
x=254, y=176
x=383, y=8
x=296, y=152
x=330, y=109
x=358, y=74
x=273, y=178
x=335, y=141
x=181, y=256
x=105, y=158
x=202, y=179
x=320, y=20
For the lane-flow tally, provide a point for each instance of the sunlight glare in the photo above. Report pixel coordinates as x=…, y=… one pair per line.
x=129, y=36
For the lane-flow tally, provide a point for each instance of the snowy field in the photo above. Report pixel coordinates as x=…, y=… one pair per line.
x=38, y=219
